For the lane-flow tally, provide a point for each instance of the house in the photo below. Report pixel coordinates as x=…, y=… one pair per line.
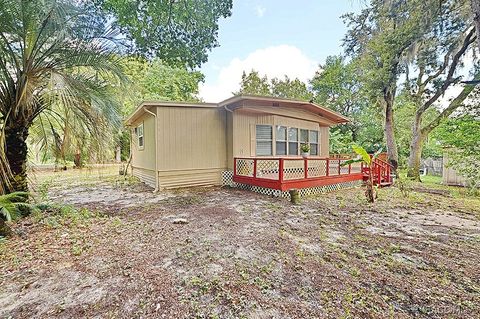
x=250, y=141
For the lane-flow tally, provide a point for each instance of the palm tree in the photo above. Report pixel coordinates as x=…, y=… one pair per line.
x=51, y=51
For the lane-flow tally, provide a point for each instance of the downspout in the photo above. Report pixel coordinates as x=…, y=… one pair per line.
x=156, y=147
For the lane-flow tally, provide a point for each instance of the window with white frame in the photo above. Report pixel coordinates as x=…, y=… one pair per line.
x=140, y=138
x=281, y=140
x=303, y=136
x=264, y=140
x=292, y=141
x=313, y=140
x=287, y=140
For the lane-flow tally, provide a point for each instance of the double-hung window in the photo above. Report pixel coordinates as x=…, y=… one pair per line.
x=313, y=140
x=281, y=140
x=140, y=138
x=292, y=141
x=303, y=136
x=264, y=140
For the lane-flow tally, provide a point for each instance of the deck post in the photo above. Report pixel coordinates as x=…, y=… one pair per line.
x=234, y=166
x=254, y=168
x=379, y=176
x=327, y=165
x=305, y=167
x=280, y=170
x=339, y=167
x=349, y=168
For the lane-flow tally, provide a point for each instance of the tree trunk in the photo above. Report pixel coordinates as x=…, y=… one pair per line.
x=389, y=131
x=416, y=149
x=77, y=160
x=16, y=154
x=475, y=5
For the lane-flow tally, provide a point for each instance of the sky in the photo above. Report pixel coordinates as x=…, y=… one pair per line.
x=275, y=38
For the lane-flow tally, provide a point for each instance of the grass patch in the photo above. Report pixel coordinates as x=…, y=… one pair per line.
x=55, y=216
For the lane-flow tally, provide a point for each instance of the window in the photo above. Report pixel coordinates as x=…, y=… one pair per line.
x=303, y=136
x=281, y=140
x=139, y=131
x=313, y=139
x=264, y=137
x=293, y=141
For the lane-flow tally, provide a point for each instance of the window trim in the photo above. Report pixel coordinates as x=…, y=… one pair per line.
x=317, y=143
x=297, y=142
x=264, y=140
x=142, y=136
x=285, y=141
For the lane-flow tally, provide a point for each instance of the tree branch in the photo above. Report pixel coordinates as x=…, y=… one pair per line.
x=469, y=39
x=454, y=104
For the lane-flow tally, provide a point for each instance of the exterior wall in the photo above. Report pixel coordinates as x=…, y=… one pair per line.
x=243, y=126
x=145, y=175
x=230, y=140
x=449, y=175
x=192, y=146
x=143, y=159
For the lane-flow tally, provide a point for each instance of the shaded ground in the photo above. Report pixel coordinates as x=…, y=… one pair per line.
x=128, y=253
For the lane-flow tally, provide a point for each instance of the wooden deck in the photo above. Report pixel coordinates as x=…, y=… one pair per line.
x=295, y=172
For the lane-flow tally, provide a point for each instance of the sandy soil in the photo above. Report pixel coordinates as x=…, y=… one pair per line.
x=227, y=253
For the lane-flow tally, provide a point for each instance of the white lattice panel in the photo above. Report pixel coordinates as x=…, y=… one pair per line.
x=333, y=167
x=356, y=168
x=316, y=168
x=227, y=178
x=293, y=169
x=343, y=169
x=267, y=168
x=311, y=191
x=244, y=167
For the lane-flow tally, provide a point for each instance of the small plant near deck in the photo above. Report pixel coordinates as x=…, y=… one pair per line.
x=364, y=157
x=305, y=148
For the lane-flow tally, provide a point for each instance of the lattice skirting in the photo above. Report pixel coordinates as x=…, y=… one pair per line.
x=227, y=180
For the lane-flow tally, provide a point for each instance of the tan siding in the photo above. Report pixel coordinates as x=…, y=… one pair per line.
x=191, y=138
x=187, y=178
x=230, y=140
x=324, y=141
x=144, y=158
x=145, y=175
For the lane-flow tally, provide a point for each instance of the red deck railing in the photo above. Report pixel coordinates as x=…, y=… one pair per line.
x=289, y=173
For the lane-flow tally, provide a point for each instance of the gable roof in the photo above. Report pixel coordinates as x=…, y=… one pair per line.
x=240, y=101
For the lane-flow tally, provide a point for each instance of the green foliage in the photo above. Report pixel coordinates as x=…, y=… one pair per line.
x=336, y=85
x=178, y=32
x=290, y=89
x=14, y=205
x=305, y=148
x=55, y=216
x=56, y=55
x=155, y=80
x=461, y=134
x=253, y=84
x=364, y=157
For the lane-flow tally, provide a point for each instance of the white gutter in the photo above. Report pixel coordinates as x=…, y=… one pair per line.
x=156, y=148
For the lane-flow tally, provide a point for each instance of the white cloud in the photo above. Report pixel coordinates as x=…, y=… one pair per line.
x=275, y=61
x=260, y=11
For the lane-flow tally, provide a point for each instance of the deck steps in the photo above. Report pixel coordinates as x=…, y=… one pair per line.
x=382, y=173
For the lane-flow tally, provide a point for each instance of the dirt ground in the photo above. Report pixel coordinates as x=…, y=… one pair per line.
x=120, y=251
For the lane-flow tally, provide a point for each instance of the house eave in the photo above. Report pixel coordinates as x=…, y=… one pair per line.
x=332, y=116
